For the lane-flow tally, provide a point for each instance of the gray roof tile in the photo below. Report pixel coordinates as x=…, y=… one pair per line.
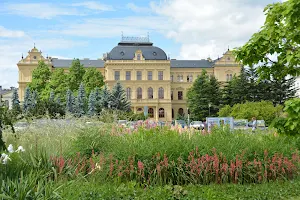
x=62, y=63
x=191, y=64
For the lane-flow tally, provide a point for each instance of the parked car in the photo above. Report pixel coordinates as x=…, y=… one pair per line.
x=181, y=123
x=240, y=124
x=261, y=124
x=197, y=125
x=122, y=122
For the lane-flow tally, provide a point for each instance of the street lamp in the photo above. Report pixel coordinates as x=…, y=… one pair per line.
x=209, y=105
x=188, y=117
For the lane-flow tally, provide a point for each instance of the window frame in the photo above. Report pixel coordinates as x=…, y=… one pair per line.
x=139, y=75
x=160, y=75
x=180, y=97
x=117, y=79
x=139, y=93
x=128, y=93
x=161, y=93
x=128, y=75
x=150, y=93
x=161, y=113
x=149, y=75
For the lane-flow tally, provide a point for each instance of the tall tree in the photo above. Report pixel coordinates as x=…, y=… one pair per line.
x=27, y=104
x=92, y=104
x=92, y=79
x=58, y=84
x=40, y=77
x=75, y=75
x=275, y=47
x=16, y=102
x=69, y=102
x=81, y=101
x=119, y=99
x=105, y=99
x=282, y=90
x=204, y=97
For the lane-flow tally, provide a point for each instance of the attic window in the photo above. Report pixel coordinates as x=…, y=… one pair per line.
x=122, y=53
x=34, y=57
x=154, y=53
x=228, y=58
x=138, y=57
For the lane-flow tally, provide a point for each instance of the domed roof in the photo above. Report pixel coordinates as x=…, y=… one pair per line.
x=126, y=51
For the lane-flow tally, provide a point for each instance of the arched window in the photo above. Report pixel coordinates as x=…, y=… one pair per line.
x=150, y=93
x=139, y=93
x=161, y=93
x=230, y=77
x=180, y=111
x=150, y=112
x=227, y=77
x=161, y=113
x=128, y=93
x=172, y=113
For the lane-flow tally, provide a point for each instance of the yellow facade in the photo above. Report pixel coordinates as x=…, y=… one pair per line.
x=158, y=85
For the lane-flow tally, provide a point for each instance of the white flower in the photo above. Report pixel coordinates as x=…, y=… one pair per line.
x=20, y=148
x=10, y=148
x=5, y=158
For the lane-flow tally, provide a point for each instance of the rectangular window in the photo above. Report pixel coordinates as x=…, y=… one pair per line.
x=128, y=75
x=160, y=75
x=149, y=75
x=117, y=75
x=139, y=75
x=171, y=95
x=180, y=95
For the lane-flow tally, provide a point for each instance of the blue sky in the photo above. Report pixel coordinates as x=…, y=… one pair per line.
x=185, y=29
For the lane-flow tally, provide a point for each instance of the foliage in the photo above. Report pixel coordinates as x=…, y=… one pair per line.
x=92, y=79
x=75, y=76
x=40, y=77
x=92, y=104
x=58, y=84
x=104, y=100
x=204, y=92
x=27, y=104
x=80, y=102
x=119, y=99
x=279, y=38
x=16, y=103
x=261, y=110
x=69, y=101
x=291, y=124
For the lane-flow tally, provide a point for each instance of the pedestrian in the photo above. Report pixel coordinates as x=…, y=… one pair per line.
x=254, y=124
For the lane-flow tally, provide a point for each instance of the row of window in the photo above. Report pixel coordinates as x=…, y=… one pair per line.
x=161, y=95
x=189, y=78
x=228, y=77
x=139, y=75
x=161, y=112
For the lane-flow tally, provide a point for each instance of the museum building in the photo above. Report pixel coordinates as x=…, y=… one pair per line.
x=151, y=79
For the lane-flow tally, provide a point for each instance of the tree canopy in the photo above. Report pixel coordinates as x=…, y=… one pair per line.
x=40, y=77
x=276, y=46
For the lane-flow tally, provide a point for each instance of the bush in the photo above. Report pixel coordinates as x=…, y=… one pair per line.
x=261, y=110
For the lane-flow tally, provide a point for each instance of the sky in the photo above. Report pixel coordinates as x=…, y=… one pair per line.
x=184, y=29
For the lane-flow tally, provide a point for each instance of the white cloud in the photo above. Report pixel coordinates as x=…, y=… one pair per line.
x=93, y=5
x=112, y=27
x=38, y=10
x=206, y=28
x=138, y=9
x=10, y=33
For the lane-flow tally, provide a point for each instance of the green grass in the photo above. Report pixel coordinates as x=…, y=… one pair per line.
x=41, y=143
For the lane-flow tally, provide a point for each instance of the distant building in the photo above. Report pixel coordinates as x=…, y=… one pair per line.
x=154, y=83
x=6, y=96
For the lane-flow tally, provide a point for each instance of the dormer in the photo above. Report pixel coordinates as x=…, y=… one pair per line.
x=227, y=59
x=138, y=55
x=33, y=56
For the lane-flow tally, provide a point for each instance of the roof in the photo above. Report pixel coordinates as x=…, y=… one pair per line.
x=126, y=51
x=62, y=63
x=191, y=64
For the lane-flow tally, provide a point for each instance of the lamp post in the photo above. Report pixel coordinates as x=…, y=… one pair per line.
x=188, y=117
x=209, y=105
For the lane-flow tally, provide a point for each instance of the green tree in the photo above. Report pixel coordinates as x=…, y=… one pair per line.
x=69, y=102
x=92, y=104
x=204, y=97
x=58, y=84
x=105, y=99
x=119, y=99
x=75, y=76
x=27, y=104
x=40, y=77
x=282, y=90
x=16, y=103
x=80, y=101
x=275, y=47
x=92, y=79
